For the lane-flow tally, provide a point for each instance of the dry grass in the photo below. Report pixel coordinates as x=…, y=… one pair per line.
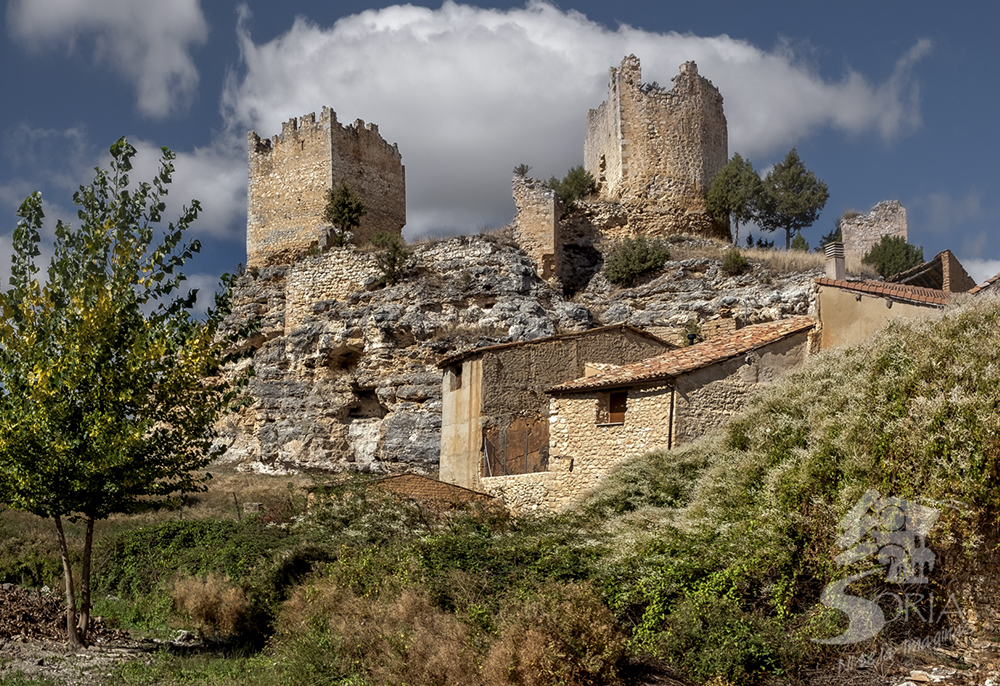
x=777, y=262
x=214, y=604
x=401, y=639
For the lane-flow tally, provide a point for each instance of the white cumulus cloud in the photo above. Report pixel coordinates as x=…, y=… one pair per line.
x=469, y=93
x=146, y=41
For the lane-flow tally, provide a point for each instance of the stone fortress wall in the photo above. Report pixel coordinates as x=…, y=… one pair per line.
x=860, y=233
x=651, y=145
x=290, y=174
x=536, y=225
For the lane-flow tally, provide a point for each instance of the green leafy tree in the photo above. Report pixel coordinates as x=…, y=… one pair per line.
x=733, y=193
x=633, y=258
x=800, y=243
x=394, y=259
x=893, y=255
x=343, y=212
x=791, y=198
x=109, y=387
x=578, y=183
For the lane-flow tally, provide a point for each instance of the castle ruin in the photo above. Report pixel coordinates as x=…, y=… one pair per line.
x=653, y=153
x=652, y=145
x=289, y=177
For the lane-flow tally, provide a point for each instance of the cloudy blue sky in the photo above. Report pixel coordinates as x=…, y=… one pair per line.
x=883, y=100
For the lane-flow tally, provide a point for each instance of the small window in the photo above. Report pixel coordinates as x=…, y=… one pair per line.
x=458, y=377
x=616, y=407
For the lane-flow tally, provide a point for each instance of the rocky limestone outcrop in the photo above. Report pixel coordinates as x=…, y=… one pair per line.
x=351, y=382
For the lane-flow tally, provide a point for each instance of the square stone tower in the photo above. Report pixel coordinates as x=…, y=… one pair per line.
x=290, y=174
x=646, y=144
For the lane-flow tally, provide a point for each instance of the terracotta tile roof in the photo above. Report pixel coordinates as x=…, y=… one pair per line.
x=456, y=357
x=985, y=284
x=895, y=291
x=683, y=360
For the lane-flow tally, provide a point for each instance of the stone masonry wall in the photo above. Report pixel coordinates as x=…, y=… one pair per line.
x=289, y=177
x=330, y=276
x=887, y=218
x=536, y=224
x=651, y=145
x=583, y=450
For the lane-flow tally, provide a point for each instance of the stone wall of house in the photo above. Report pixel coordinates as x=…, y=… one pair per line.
x=860, y=233
x=583, y=449
x=503, y=392
x=290, y=175
x=707, y=398
x=536, y=224
x=650, y=145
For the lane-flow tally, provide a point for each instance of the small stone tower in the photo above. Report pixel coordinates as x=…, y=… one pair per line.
x=290, y=174
x=646, y=144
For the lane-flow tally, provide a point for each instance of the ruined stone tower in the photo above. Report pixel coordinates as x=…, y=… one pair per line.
x=650, y=145
x=290, y=174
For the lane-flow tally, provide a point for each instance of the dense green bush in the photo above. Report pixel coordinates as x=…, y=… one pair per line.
x=576, y=185
x=893, y=255
x=394, y=259
x=734, y=263
x=633, y=258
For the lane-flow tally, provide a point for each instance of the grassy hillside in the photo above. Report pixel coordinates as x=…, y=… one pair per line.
x=708, y=560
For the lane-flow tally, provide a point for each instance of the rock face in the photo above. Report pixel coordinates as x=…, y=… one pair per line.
x=346, y=372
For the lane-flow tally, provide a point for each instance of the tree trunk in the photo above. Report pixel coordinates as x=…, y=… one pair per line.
x=788, y=239
x=84, y=623
x=72, y=635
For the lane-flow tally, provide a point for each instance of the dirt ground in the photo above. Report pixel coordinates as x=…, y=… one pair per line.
x=32, y=641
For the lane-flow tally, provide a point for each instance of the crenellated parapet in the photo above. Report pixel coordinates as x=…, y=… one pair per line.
x=290, y=174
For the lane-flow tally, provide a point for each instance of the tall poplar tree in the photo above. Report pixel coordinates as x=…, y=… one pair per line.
x=109, y=387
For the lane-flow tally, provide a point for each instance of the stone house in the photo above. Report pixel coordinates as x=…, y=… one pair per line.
x=494, y=417
x=849, y=312
x=621, y=412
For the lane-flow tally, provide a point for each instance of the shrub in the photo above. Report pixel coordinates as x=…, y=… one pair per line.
x=343, y=210
x=328, y=634
x=394, y=260
x=800, y=243
x=215, y=605
x=521, y=170
x=893, y=255
x=565, y=636
x=734, y=263
x=578, y=183
x=633, y=258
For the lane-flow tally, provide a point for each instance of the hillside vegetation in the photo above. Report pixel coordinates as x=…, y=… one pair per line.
x=707, y=561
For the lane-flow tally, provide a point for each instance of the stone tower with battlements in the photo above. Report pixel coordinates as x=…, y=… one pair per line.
x=649, y=145
x=290, y=174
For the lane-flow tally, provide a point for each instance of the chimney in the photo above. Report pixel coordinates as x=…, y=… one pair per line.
x=835, y=261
